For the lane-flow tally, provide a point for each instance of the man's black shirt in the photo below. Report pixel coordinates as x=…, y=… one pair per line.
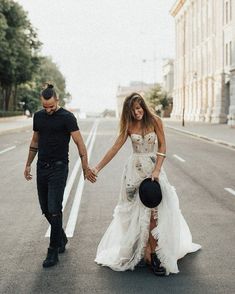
x=54, y=134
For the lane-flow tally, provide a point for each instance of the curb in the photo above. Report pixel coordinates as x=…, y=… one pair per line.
x=12, y=118
x=16, y=130
x=224, y=143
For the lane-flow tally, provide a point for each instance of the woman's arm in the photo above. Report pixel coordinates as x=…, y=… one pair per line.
x=161, y=153
x=111, y=152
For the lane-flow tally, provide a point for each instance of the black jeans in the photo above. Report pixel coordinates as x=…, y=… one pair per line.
x=51, y=181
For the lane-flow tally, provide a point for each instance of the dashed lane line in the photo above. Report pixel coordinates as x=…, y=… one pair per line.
x=230, y=191
x=7, y=149
x=78, y=195
x=179, y=158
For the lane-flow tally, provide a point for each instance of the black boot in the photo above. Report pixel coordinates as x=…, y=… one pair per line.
x=156, y=265
x=52, y=257
x=64, y=241
x=141, y=263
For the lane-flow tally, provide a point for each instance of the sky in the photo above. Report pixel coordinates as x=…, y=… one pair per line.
x=101, y=44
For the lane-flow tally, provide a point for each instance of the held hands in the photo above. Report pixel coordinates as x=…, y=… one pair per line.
x=95, y=171
x=27, y=173
x=93, y=174
x=89, y=175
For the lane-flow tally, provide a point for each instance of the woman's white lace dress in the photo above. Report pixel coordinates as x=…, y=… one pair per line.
x=124, y=242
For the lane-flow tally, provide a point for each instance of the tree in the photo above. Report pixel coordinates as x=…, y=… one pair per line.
x=47, y=71
x=29, y=95
x=23, y=73
x=157, y=99
x=18, y=53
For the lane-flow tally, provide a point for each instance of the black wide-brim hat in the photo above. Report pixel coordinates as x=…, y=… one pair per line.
x=150, y=193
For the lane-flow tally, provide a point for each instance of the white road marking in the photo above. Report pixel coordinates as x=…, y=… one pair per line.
x=73, y=175
x=75, y=170
x=230, y=191
x=179, y=158
x=78, y=196
x=7, y=149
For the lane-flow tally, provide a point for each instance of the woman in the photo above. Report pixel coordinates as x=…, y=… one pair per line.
x=159, y=235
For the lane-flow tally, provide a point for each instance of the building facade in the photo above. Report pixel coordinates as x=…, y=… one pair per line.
x=168, y=76
x=204, y=69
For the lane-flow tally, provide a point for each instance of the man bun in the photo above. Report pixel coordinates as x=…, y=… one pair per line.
x=48, y=92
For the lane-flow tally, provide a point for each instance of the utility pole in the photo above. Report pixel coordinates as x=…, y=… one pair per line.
x=183, y=122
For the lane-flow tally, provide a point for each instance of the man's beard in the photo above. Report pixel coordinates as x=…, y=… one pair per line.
x=51, y=113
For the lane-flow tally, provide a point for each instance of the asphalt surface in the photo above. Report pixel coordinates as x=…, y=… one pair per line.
x=199, y=180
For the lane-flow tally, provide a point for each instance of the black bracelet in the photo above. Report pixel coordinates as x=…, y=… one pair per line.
x=33, y=149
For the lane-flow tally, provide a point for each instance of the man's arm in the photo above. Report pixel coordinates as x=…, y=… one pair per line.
x=88, y=174
x=33, y=149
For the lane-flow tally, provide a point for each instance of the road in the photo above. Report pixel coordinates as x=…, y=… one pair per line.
x=199, y=170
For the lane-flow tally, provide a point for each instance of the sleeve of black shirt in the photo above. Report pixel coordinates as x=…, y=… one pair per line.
x=71, y=123
x=35, y=128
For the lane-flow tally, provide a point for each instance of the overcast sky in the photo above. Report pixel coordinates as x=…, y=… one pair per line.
x=100, y=44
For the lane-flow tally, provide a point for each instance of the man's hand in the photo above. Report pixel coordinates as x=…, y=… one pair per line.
x=89, y=175
x=27, y=173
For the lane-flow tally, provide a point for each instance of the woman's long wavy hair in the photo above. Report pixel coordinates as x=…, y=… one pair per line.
x=127, y=116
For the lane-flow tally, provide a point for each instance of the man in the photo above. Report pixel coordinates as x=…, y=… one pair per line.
x=52, y=128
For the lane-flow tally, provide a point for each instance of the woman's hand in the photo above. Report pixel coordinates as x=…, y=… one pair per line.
x=155, y=175
x=90, y=175
x=95, y=171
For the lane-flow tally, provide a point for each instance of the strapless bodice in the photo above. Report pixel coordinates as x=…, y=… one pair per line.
x=143, y=144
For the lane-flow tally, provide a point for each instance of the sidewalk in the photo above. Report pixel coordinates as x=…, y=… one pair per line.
x=16, y=123
x=218, y=133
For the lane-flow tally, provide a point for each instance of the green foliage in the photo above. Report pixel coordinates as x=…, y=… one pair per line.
x=157, y=99
x=164, y=102
x=28, y=93
x=23, y=72
x=19, y=46
x=10, y=113
x=49, y=72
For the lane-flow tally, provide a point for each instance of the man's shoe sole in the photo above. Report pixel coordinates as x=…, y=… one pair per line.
x=49, y=265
